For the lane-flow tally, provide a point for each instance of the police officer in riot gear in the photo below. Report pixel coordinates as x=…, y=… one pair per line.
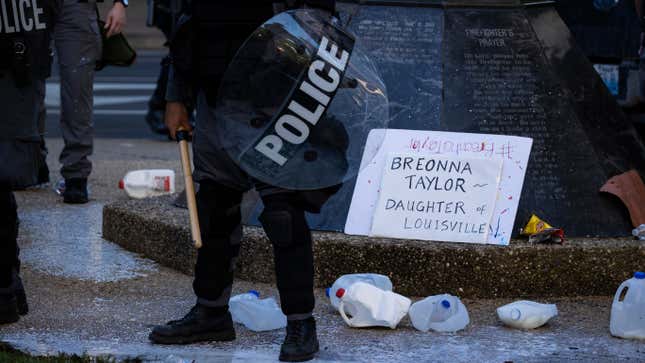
x=25, y=61
x=200, y=54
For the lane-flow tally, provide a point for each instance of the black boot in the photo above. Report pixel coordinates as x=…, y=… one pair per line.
x=8, y=307
x=301, y=342
x=200, y=324
x=75, y=191
x=19, y=293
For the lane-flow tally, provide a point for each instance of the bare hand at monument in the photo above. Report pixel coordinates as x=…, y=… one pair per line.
x=177, y=118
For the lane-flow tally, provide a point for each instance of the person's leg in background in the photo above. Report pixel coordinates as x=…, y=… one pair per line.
x=78, y=46
x=157, y=102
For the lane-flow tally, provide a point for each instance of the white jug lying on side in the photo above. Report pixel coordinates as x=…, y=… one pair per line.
x=371, y=306
x=344, y=282
x=525, y=314
x=441, y=313
x=628, y=315
x=141, y=184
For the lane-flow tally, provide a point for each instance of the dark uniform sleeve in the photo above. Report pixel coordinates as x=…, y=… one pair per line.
x=180, y=87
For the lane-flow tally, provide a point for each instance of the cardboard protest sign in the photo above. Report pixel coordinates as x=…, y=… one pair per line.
x=436, y=198
x=512, y=150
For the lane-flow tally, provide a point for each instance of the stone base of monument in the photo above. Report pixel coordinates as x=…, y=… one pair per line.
x=580, y=267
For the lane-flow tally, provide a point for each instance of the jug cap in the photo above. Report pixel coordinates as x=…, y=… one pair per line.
x=639, y=275
x=445, y=304
x=328, y=291
x=254, y=292
x=340, y=293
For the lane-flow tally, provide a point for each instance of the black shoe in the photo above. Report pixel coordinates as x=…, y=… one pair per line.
x=200, y=324
x=75, y=191
x=8, y=307
x=301, y=343
x=19, y=292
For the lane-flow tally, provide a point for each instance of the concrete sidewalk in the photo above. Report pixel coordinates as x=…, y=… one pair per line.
x=88, y=295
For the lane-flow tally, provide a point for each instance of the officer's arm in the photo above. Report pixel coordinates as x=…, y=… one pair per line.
x=180, y=91
x=178, y=98
x=180, y=87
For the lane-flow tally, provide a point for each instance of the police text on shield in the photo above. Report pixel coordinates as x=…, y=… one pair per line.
x=322, y=81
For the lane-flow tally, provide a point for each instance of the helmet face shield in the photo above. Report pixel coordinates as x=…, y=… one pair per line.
x=298, y=101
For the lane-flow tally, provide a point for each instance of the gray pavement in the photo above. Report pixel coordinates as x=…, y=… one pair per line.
x=89, y=296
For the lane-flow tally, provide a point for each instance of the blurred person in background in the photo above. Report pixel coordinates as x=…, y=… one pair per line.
x=78, y=46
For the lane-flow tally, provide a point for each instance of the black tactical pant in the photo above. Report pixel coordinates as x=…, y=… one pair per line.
x=9, y=261
x=284, y=222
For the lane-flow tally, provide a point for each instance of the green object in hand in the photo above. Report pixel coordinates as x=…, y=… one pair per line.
x=116, y=50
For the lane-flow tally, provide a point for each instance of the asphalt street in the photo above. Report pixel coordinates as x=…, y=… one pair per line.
x=120, y=99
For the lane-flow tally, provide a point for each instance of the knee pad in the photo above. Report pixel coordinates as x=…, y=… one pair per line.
x=284, y=221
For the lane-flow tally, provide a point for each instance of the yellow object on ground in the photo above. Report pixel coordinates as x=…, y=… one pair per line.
x=535, y=225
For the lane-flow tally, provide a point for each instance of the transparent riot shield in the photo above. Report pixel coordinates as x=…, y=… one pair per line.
x=298, y=101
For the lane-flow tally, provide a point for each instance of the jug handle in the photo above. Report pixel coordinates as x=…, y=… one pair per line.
x=620, y=291
x=341, y=310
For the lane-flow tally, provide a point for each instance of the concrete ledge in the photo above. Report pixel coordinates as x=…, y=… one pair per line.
x=582, y=267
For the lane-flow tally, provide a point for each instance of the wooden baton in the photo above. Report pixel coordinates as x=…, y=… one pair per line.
x=182, y=139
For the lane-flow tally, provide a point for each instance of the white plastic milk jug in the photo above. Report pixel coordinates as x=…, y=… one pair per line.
x=628, y=310
x=344, y=282
x=371, y=306
x=441, y=313
x=140, y=184
x=255, y=314
x=525, y=314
